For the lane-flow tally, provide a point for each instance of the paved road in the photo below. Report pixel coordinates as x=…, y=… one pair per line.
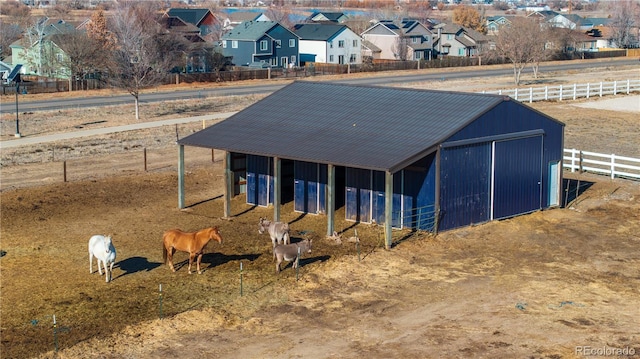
x=447, y=74
x=24, y=141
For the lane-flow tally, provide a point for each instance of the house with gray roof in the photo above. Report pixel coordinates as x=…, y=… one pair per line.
x=370, y=51
x=570, y=21
x=397, y=157
x=328, y=16
x=456, y=40
x=265, y=42
x=543, y=15
x=202, y=18
x=401, y=40
x=39, y=50
x=236, y=18
x=495, y=23
x=329, y=43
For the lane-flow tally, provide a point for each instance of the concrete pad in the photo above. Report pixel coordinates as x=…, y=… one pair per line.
x=624, y=103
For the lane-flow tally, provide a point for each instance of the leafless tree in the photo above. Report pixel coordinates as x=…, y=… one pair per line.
x=520, y=44
x=389, y=13
x=82, y=54
x=9, y=32
x=34, y=37
x=625, y=17
x=143, y=54
x=280, y=14
x=420, y=11
x=401, y=48
x=538, y=41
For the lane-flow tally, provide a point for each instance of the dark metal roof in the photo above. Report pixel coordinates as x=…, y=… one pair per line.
x=323, y=32
x=379, y=128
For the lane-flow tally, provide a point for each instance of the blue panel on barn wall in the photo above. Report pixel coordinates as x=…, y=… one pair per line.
x=310, y=182
x=358, y=195
x=377, y=197
x=263, y=190
x=518, y=176
x=419, y=194
x=364, y=210
x=312, y=196
x=259, y=180
x=300, y=186
x=299, y=201
x=465, y=185
x=323, y=179
x=397, y=200
x=252, y=197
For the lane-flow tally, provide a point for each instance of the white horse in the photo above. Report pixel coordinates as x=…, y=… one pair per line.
x=102, y=248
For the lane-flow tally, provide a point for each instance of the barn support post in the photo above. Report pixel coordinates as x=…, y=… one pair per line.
x=228, y=183
x=181, y=176
x=331, y=198
x=388, y=201
x=277, y=180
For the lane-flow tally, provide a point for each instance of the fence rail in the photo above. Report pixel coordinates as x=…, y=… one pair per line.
x=611, y=165
x=571, y=92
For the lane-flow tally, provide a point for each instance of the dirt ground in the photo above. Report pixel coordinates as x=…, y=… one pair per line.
x=553, y=284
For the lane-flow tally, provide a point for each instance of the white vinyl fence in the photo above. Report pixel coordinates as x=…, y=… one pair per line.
x=570, y=92
x=611, y=165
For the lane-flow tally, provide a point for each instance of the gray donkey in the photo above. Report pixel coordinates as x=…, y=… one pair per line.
x=278, y=231
x=291, y=252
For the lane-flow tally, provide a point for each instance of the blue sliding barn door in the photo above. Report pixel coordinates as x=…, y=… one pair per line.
x=465, y=185
x=517, y=177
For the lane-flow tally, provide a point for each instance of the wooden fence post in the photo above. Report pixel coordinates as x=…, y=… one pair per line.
x=64, y=170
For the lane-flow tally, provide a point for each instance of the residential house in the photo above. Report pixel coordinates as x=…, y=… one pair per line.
x=401, y=40
x=235, y=18
x=39, y=51
x=494, y=23
x=570, y=21
x=263, y=42
x=5, y=70
x=456, y=40
x=603, y=35
x=370, y=52
x=330, y=43
x=203, y=19
x=324, y=16
x=544, y=15
x=195, y=61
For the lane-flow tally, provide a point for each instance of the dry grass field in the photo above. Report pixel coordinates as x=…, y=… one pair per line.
x=544, y=285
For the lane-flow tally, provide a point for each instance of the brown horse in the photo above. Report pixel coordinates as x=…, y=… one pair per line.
x=191, y=242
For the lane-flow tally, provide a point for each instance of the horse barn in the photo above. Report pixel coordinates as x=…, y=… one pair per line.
x=401, y=158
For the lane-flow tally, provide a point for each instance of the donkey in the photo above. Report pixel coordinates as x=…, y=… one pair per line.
x=278, y=231
x=291, y=252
